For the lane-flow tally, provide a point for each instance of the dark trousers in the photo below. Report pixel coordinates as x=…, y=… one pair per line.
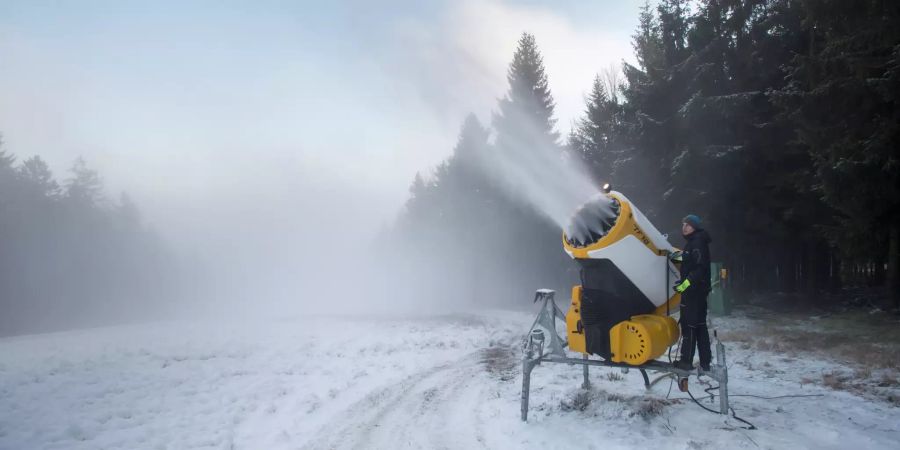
x=694, y=333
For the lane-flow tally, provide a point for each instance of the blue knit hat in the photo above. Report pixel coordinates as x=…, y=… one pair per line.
x=693, y=220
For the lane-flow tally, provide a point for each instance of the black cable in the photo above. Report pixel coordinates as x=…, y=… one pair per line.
x=672, y=380
x=698, y=403
x=733, y=414
x=712, y=396
x=777, y=397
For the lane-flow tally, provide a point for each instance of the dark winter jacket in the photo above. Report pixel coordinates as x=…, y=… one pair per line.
x=695, y=260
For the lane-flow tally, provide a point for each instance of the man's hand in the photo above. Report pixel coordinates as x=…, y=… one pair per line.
x=682, y=286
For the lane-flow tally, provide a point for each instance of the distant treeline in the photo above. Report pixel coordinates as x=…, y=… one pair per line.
x=774, y=120
x=68, y=256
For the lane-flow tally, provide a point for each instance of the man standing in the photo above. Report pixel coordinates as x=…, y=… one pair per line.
x=694, y=286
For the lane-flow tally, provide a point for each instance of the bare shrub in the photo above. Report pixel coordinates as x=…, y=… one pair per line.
x=651, y=407
x=835, y=380
x=644, y=407
x=888, y=380
x=578, y=402
x=613, y=376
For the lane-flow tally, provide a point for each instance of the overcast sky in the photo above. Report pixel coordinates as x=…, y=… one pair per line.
x=210, y=112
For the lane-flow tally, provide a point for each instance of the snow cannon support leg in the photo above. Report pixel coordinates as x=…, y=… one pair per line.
x=722, y=377
x=527, y=365
x=534, y=345
x=587, y=382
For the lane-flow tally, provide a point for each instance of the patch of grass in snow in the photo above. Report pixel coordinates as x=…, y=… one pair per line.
x=867, y=345
x=856, y=345
x=867, y=386
x=835, y=380
x=500, y=361
x=583, y=400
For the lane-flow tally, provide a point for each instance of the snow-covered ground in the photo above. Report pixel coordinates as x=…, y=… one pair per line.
x=450, y=381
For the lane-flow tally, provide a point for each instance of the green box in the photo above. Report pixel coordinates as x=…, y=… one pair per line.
x=719, y=300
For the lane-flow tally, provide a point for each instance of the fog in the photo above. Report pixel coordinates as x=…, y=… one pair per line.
x=270, y=147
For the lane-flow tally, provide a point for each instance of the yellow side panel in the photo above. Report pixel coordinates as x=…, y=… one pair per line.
x=641, y=339
x=573, y=323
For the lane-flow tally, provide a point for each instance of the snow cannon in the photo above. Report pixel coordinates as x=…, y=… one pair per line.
x=621, y=310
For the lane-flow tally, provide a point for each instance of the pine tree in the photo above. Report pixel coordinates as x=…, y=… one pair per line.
x=525, y=118
x=525, y=133
x=36, y=173
x=647, y=42
x=84, y=187
x=648, y=132
x=8, y=175
x=673, y=29
x=592, y=138
x=472, y=142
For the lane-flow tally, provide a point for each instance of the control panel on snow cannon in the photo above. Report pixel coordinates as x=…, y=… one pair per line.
x=621, y=310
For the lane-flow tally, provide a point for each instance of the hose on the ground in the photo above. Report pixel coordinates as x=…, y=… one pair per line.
x=733, y=414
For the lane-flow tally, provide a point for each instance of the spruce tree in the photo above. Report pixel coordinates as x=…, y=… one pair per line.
x=654, y=92
x=647, y=42
x=526, y=133
x=84, y=187
x=525, y=116
x=472, y=141
x=592, y=138
x=36, y=173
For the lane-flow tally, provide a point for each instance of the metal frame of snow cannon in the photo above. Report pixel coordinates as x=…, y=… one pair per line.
x=536, y=350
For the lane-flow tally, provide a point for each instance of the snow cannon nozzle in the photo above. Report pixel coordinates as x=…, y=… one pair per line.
x=592, y=220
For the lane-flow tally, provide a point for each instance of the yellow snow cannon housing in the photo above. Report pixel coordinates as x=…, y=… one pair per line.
x=621, y=310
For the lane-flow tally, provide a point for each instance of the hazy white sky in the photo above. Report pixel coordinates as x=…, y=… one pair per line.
x=211, y=112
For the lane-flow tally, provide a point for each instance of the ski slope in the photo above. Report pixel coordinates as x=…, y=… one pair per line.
x=444, y=382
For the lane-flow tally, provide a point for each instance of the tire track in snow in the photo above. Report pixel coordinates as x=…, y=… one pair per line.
x=436, y=408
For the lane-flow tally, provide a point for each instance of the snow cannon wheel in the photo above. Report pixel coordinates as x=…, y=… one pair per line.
x=683, y=384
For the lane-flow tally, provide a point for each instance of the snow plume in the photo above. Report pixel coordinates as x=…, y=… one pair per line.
x=554, y=182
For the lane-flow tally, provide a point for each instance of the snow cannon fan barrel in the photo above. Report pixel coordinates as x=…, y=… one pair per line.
x=621, y=310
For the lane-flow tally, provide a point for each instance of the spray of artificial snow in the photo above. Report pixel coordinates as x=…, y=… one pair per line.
x=544, y=177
